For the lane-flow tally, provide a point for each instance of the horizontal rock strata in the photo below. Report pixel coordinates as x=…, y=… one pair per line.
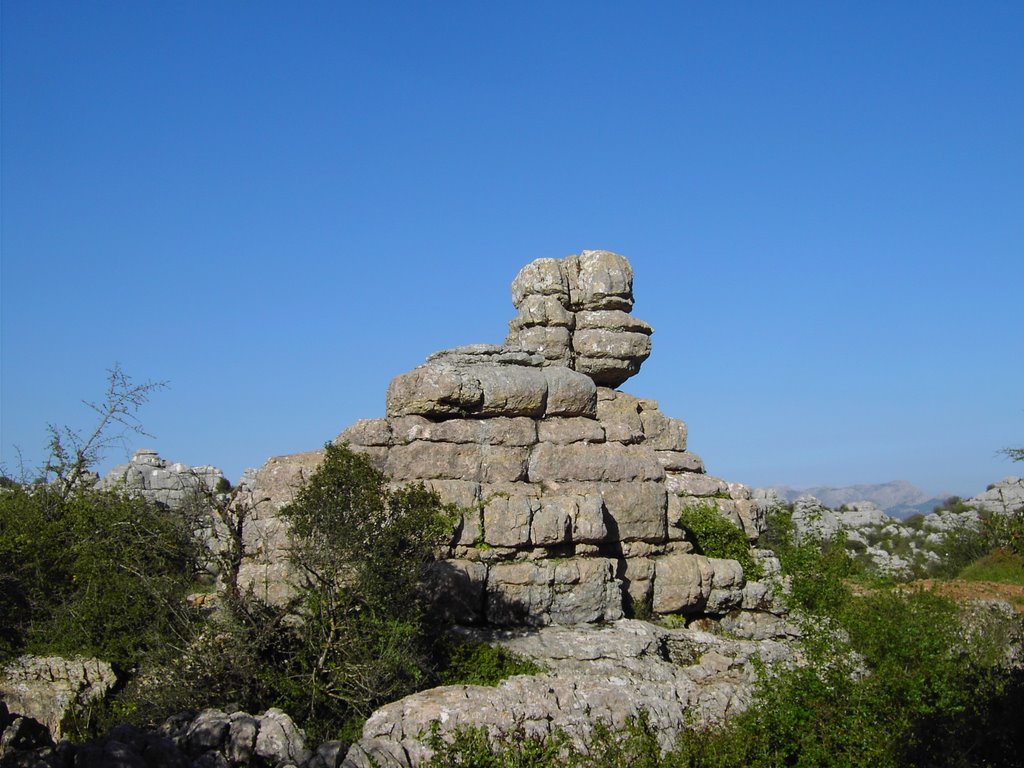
x=571, y=491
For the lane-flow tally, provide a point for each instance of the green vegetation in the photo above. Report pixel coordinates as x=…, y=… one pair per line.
x=891, y=678
x=1013, y=454
x=356, y=634
x=85, y=571
x=915, y=522
x=363, y=551
x=474, y=663
x=717, y=537
x=817, y=568
x=954, y=504
x=999, y=565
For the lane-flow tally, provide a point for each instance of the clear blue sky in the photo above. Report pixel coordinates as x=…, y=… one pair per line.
x=277, y=207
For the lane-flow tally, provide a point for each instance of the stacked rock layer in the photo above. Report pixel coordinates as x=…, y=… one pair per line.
x=571, y=490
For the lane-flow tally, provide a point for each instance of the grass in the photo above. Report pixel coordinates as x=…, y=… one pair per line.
x=999, y=565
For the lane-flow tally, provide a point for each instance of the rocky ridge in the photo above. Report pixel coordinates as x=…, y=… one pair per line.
x=900, y=548
x=171, y=485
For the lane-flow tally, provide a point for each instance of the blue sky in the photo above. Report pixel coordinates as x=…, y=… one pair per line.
x=277, y=207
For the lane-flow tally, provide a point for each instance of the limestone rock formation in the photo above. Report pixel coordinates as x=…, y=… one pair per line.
x=574, y=312
x=170, y=485
x=210, y=738
x=600, y=673
x=571, y=490
x=51, y=689
x=1002, y=498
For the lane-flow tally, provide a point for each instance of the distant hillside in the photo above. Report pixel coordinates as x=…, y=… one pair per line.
x=898, y=498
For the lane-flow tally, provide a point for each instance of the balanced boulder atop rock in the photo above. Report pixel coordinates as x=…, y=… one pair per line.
x=573, y=333
x=574, y=312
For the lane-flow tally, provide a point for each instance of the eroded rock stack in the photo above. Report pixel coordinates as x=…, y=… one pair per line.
x=574, y=313
x=571, y=490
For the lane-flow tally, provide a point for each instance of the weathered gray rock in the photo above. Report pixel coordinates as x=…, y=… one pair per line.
x=279, y=740
x=172, y=485
x=209, y=739
x=594, y=674
x=574, y=312
x=51, y=689
x=447, y=388
x=570, y=491
x=1003, y=498
x=573, y=591
x=23, y=739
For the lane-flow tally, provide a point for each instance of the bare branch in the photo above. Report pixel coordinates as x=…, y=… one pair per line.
x=72, y=455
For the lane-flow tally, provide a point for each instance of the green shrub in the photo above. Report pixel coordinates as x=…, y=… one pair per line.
x=915, y=522
x=954, y=504
x=354, y=637
x=1005, y=530
x=362, y=550
x=475, y=663
x=817, y=568
x=471, y=748
x=715, y=536
x=91, y=572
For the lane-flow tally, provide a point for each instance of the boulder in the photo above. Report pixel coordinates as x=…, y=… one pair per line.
x=53, y=690
x=593, y=674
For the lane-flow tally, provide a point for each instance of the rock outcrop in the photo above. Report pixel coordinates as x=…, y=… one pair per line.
x=208, y=739
x=600, y=673
x=1002, y=498
x=900, y=548
x=53, y=690
x=170, y=485
x=571, y=490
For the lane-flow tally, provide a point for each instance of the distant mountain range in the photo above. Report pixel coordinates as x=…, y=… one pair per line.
x=898, y=498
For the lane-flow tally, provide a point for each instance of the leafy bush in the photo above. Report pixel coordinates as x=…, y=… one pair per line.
x=954, y=504
x=715, y=536
x=1006, y=530
x=959, y=547
x=91, y=572
x=473, y=663
x=915, y=522
x=356, y=634
x=240, y=654
x=362, y=550
x=471, y=748
x=816, y=568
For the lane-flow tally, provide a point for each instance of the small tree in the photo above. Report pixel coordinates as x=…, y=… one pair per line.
x=73, y=454
x=84, y=571
x=362, y=549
